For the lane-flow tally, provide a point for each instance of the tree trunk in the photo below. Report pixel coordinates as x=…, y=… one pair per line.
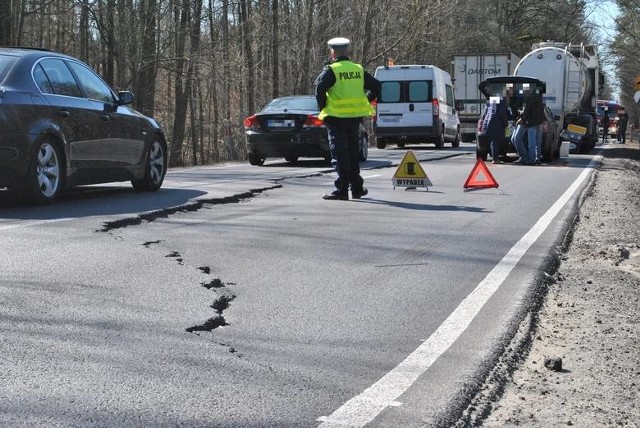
x=145, y=82
x=303, y=77
x=192, y=73
x=366, y=39
x=275, y=78
x=181, y=14
x=6, y=24
x=248, y=53
x=226, y=61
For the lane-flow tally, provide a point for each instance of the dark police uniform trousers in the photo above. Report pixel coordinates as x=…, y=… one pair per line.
x=344, y=144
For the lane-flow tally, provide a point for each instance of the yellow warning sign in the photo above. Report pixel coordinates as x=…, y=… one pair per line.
x=409, y=173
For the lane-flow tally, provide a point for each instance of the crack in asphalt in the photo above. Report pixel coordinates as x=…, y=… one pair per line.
x=215, y=283
x=239, y=197
x=190, y=206
x=205, y=269
x=176, y=255
x=219, y=306
x=225, y=297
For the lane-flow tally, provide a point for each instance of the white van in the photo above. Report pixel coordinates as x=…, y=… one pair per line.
x=416, y=105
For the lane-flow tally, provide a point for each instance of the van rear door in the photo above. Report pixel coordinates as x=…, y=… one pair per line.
x=405, y=108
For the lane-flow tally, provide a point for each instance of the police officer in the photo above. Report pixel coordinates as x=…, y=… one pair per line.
x=344, y=91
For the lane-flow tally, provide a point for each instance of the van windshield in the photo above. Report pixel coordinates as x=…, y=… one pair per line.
x=416, y=91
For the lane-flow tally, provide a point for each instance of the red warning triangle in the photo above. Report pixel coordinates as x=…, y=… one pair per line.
x=480, y=177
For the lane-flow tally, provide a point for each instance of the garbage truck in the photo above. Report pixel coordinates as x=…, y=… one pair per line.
x=573, y=81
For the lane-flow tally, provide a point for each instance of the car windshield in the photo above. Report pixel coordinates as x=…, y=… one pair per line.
x=302, y=103
x=612, y=109
x=6, y=61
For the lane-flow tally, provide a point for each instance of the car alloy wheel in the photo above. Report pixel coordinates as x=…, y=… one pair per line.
x=48, y=170
x=44, y=180
x=156, y=163
x=155, y=169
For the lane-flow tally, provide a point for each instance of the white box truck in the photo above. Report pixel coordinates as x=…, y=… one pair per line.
x=416, y=105
x=468, y=71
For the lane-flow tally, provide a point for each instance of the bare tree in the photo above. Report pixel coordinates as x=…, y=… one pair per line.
x=182, y=19
x=6, y=23
x=275, y=57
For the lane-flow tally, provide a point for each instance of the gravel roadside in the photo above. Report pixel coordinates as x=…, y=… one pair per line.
x=589, y=321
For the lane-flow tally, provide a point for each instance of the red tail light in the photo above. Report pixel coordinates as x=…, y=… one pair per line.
x=251, y=122
x=313, y=121
x=436, y=108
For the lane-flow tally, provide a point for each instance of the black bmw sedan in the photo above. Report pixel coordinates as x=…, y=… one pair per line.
x=289, y=128
x=61, y=125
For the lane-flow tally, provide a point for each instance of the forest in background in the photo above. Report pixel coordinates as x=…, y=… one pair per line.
x=201, y=66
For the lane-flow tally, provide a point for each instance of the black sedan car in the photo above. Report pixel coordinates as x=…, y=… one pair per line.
x=289, y=128
x=61, y=125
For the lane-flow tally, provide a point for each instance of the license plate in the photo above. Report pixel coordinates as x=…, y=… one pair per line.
x=390, y=119
x=284, y=123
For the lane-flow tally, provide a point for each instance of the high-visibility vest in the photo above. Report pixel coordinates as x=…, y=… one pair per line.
x=346, y=98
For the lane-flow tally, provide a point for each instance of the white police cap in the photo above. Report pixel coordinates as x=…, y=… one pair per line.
x=338, y=42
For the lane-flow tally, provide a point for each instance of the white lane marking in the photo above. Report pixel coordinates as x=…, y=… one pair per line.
x=363, y=408
x=34, y=223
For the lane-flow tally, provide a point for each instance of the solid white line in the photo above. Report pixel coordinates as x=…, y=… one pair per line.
x=34, y=223
x=364, y=407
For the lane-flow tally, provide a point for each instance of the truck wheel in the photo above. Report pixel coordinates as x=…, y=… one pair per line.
x=380, y=143
x=400, y=145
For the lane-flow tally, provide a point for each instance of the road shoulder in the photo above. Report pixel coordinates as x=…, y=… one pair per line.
x=589, y=320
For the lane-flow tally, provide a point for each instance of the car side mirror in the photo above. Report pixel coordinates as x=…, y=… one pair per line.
x=459, y=106
x=125, y=98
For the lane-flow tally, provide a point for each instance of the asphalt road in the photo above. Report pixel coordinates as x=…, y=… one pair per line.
x=237, y=297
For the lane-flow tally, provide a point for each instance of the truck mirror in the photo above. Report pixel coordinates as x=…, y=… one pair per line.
x=459, y=106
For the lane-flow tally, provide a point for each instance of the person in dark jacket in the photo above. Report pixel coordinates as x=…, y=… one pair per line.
x=344, y=91
x=605, y=127
x=498, y=117
x=532, y=118
x=622, y=126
